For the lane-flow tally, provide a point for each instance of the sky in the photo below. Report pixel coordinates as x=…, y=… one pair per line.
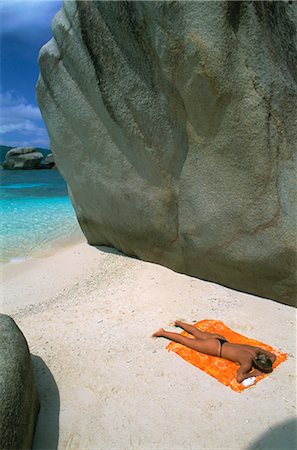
x=25, y=26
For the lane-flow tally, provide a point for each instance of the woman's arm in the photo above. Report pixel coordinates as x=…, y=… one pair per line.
x=244, y=372
x=256, y=373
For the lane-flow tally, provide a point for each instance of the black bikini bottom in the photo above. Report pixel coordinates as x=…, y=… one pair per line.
x=222, y=341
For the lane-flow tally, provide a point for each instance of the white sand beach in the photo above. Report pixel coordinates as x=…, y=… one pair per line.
x=104, y=383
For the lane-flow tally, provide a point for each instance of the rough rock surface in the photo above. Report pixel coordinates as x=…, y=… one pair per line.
x=19, y=402
x=174, y=125
x=22, y=158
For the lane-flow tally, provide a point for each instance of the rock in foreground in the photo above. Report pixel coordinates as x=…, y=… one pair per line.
x=22, y=158
x=19, y=402
x=174, y=125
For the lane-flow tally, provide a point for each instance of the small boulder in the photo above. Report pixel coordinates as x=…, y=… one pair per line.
x=22, y=158
x=19, y=403
x=49, y=161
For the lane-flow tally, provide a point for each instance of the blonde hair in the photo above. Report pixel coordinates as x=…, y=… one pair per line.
x=262, y=362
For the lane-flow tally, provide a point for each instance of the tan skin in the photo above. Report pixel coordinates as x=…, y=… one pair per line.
x=208, y=343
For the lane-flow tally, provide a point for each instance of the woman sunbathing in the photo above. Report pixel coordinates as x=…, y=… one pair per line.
x=253, y=361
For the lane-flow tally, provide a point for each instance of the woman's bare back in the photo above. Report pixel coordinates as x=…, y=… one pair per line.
x=239, y=352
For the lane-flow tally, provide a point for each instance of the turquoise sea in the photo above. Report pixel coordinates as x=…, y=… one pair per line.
x=36, y=213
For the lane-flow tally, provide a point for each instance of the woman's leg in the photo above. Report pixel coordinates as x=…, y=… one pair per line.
x=195, y=332
x=207, y=346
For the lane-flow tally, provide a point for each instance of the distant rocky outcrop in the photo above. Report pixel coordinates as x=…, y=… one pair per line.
x=174, y=125
x=19, y=404
x=22, y=158
x=4, y=149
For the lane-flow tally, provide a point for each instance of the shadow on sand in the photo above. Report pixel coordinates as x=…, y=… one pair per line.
x=282, y=436
x=114, y=251
x=47, y=427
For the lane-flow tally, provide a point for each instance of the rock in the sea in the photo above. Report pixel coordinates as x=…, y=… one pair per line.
x=49, y=162
x=22, y=158
x=19, y=403
x=174, y=125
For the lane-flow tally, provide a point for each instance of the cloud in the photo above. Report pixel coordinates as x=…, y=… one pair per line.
x=11, y=98
x=33, y=17
x=21, y=121
x=14, y=105
x=23, y=143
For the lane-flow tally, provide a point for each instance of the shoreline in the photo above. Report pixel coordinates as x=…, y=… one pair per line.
x=47, y=248
x=43, y=266
x=88, y=314
x=38, y=217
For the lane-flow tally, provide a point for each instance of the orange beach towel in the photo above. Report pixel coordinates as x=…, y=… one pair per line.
x=221, y=369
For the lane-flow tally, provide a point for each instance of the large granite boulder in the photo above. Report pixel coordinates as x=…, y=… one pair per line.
x=174, y=125
x=22, y=158
x=19, y=404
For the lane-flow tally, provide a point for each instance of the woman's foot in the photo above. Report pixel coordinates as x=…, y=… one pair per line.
x=159, y=333
x=178, y=323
